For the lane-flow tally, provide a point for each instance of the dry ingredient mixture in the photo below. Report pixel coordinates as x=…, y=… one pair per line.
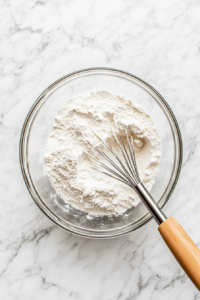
x=69, y=166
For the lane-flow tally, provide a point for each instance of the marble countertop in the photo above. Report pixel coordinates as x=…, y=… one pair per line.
x=40, y=41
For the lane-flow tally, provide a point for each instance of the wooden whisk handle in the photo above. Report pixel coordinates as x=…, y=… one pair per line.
x=183, y=248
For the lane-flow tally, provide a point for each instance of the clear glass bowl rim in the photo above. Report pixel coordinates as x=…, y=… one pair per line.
x=23, y=156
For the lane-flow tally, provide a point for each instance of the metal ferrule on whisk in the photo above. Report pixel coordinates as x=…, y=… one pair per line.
x=150, y=204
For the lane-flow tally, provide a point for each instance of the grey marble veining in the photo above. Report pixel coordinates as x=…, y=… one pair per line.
x=41, y=41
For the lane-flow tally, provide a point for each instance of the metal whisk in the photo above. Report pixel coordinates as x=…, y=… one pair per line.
x=178, y=241
x=127, y=172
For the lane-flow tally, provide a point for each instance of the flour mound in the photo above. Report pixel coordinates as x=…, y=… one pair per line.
x=69, y=166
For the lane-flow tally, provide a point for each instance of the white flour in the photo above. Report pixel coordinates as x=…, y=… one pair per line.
x=70, y=169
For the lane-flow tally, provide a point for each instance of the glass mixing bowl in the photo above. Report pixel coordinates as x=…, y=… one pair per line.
x=38, y=125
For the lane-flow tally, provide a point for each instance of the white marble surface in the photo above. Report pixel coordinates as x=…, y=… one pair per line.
x=41, y=41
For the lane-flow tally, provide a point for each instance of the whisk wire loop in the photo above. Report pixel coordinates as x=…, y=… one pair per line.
x=127, y=173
